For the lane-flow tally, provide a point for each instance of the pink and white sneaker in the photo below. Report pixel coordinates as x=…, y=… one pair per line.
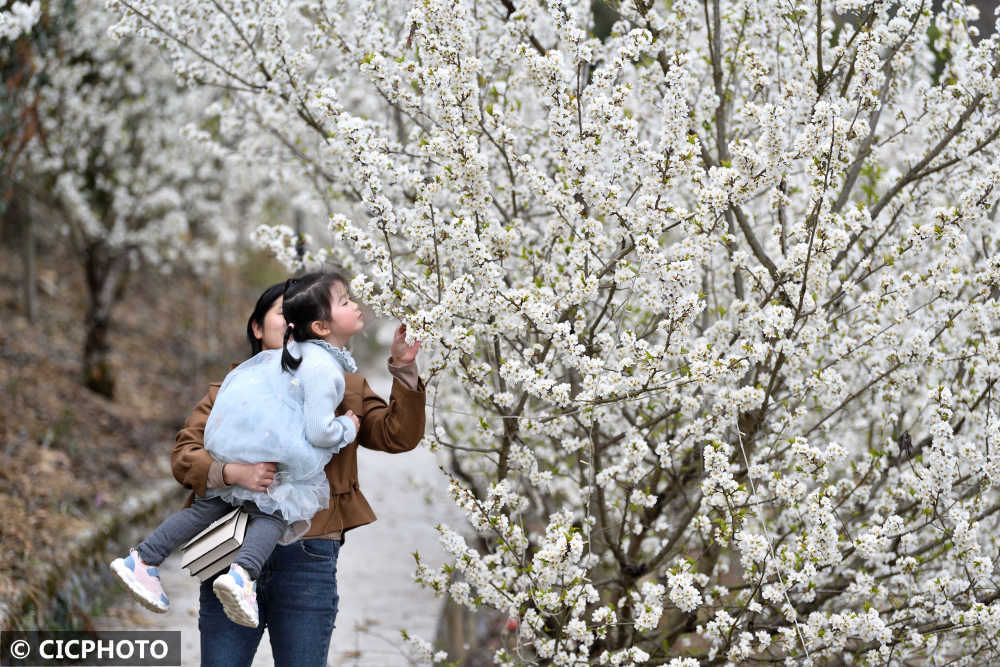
x=142, y=580
x=238, y=594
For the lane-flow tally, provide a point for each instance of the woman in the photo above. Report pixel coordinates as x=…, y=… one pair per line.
x=297, y=590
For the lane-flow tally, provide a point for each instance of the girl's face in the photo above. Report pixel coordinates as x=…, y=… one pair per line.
x=271, y=334
x=345, y=317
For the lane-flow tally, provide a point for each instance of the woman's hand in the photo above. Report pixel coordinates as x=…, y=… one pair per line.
x=252, y=476
x=401, y=352
x=354, y=418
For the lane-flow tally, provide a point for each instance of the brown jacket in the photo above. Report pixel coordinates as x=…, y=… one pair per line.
x=394, y=427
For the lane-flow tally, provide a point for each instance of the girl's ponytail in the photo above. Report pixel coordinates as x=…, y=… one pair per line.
x=288, y=362
x=306, y=300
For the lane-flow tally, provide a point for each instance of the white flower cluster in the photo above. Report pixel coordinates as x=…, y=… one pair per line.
x=133, y=181
x=284, y=244
x=421, y=651
x=19, y=18
x=708, y=298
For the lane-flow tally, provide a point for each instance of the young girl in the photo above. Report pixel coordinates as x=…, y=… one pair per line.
x=277, y=406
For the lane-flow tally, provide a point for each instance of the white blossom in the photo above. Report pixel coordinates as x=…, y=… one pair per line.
x=708, y=303
x=19, y=18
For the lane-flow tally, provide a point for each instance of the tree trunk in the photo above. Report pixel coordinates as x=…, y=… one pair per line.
x=17, y=218
x=104, y=271
x=30, y=267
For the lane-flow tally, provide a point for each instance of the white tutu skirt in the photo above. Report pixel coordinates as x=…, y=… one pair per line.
x=258, y=417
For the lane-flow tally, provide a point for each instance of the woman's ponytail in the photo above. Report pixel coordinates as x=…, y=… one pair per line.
x=288, y=362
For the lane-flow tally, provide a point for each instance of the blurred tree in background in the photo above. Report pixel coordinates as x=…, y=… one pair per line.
x=101, y=143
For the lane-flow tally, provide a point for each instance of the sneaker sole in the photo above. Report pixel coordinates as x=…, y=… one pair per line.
x=230, y=600
x=127, y=578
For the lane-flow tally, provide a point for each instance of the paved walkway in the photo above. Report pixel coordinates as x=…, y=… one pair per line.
x=377, y=594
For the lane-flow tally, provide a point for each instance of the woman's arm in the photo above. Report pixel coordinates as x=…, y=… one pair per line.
x=396, y=426
x=189, y=460
x=195, y=468
x=405, y=373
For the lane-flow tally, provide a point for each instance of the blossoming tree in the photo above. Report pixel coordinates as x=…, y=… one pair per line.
x=119, y=155
x=16, y=21
x=22, y=32
x=711, y=303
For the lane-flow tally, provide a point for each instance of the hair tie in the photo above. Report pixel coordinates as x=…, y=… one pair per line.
x=291, y=325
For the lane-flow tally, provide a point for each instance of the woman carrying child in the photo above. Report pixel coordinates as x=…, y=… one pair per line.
x=296, y=591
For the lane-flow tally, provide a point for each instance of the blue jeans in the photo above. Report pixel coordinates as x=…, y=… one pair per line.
x=297, y=600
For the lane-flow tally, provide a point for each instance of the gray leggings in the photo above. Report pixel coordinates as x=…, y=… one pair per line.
x=263, y=533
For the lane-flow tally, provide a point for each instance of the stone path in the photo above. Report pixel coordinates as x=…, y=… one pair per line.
x=377, y=594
